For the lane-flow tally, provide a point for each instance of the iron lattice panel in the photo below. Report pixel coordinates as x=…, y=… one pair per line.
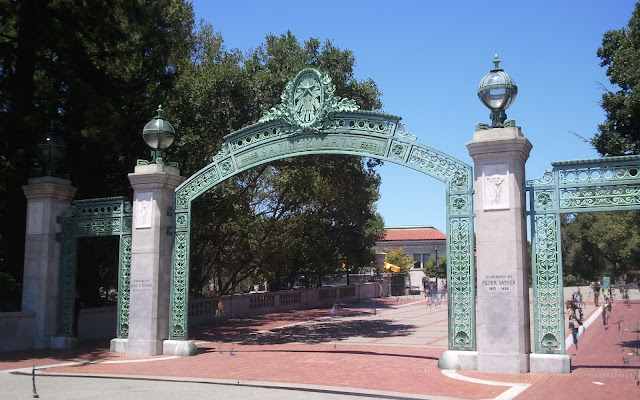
x=460, y=285
x=605, y=184
x=94, y=218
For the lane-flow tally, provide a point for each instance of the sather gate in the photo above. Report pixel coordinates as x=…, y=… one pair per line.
x=312, y=120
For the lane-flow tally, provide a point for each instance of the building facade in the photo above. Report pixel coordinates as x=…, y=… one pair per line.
x=419, y=242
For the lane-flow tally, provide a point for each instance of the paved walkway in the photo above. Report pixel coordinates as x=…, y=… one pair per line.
x=386, y=348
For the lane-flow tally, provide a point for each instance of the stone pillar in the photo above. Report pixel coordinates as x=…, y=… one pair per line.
x=47, y=198
x=503, y=332
x=151, y=246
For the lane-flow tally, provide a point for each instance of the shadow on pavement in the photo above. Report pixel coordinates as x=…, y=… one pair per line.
x=87, y=351
x=337, y=351
x=312, y=333
x=604, y=367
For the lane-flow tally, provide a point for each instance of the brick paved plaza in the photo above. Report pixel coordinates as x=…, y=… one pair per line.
x=386, y=348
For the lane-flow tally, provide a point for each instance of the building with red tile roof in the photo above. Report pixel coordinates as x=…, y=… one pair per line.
x=419, y=242
x=413, y=233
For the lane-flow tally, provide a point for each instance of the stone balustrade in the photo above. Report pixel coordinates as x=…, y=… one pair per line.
x=207, y=309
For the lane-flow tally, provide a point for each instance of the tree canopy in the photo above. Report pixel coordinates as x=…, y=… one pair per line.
x=297, y=219
x=600, y=244
x=606, y=243
x=620, y=54
x=430, y=270
x=98, y=70
x=398, y=258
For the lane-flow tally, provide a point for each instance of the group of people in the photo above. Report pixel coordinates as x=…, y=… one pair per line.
x=434, y=290
x=575, y=306
x=606, y=307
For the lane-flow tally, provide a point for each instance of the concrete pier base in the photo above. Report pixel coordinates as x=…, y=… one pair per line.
x=551, y=363
x=453, y=359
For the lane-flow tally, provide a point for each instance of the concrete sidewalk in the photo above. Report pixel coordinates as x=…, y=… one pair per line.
x=387, y=348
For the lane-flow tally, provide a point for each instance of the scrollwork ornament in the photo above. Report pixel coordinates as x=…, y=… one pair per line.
x=462, y=302
x=599, y=197
x=404, y=134
x=546, y=179
x=441, y=166
x=546, y=280
x=124, y=287
x=180, y=281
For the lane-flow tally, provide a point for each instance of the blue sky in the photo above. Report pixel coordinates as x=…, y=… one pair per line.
x=428, y=58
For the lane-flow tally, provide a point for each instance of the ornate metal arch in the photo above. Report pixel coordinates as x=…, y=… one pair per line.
x=604, y=184
x=91, y=218
x=312, y=120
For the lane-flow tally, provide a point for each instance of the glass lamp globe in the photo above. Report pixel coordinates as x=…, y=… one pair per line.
x=158, y=133
x=497, y=91
x=51, y=150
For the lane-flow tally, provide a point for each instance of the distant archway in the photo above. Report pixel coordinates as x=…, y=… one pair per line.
x=312, y=120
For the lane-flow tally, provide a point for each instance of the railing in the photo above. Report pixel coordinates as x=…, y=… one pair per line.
x=291, y=298
x=203, y=306
x=349, y=291
x=327, y=293
x=261, y=301
x=212, y=308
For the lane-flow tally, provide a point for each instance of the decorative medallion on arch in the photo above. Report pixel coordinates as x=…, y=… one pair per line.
x=308, y=102
x=312, y=120
x=604, y=184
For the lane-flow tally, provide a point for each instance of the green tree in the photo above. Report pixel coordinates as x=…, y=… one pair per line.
x=599, y=244
x=398, y=258
x=94, y=69
x=295, y=219
x=620, y=53
x=430, y=270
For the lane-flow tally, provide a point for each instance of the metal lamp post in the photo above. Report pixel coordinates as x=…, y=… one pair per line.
x=497, y=91
x=437, y=263
x=50, y=151
x=159, y=135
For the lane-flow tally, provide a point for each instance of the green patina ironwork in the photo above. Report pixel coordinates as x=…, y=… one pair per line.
x=312, y=120
x=93, y=218
x=604, y=184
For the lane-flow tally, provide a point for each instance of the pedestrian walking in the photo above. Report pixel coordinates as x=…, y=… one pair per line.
x=596, y=286
x=606, y=311
x=574, y=325
x=425, y=285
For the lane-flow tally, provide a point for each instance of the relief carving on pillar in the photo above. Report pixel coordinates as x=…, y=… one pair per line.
x=496, y=187
x=143, y=211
